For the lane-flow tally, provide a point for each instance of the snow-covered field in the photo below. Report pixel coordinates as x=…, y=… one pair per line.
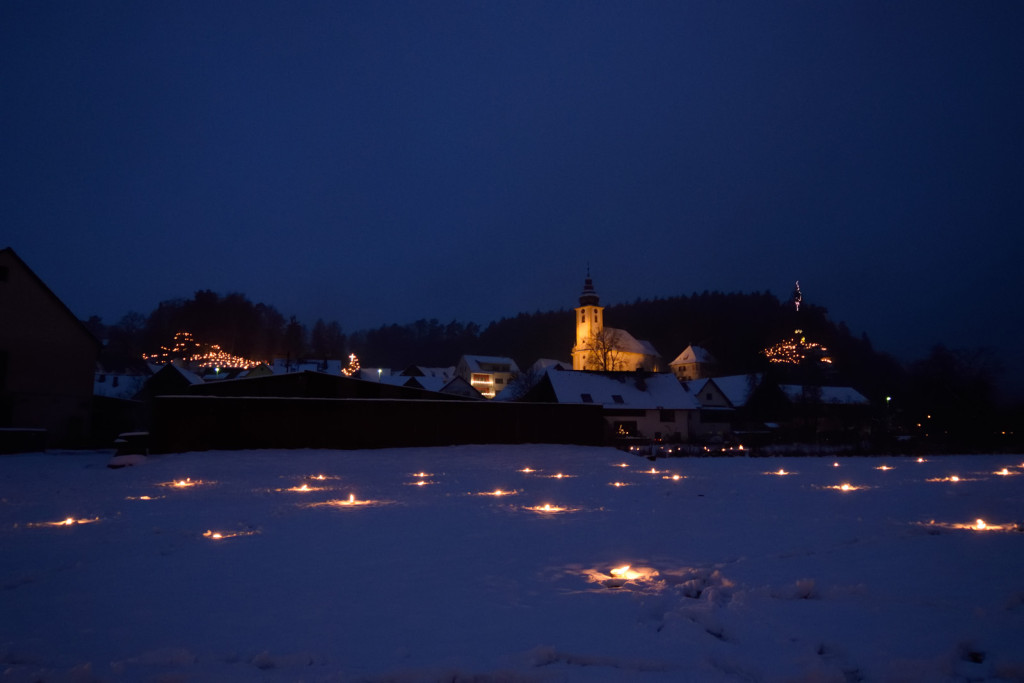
x=398, y=566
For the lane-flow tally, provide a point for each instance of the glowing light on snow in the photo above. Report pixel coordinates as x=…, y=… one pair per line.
x=617, y=484
x=835, y=464
x=498, y=493
x=921, y=460
x=952, y=479
x=618, y=577
x=350, y=502
x=548, y=509
x=884, y=468
x=674, y=477
x=620, y=464
x=420, y=482
x=220, y=535
x=527, y=470
x=653, y=470
x=562, y=476
x=422, y=475
x=846, y=486
x=183, y=483
x=780, y=473
x=977, y=525
x=143, y=497
x=67, y=521
x=1004, y=472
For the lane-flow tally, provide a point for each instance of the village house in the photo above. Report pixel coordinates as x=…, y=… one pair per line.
x=47, y=364
x=694, y=363
x=487, y=374
x=635, y=405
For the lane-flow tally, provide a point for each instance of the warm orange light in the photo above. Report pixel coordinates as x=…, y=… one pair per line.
x=1004, y=472
x=921, y=460
x=779, y=472
x=835, y=464
x=218, y=535
x=548, y=508
x=846, y=486
x=884, y=468
x=621, y=464
x=498, y=493
x=617, y=484
x=952, y=478
x=673, y=477
x=625, y=572
x=527, y=470
x=422, y=475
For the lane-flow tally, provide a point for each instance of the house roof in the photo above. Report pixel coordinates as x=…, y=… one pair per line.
x=693, y=354
x=624, y=341
x=736, y=388
x=482, y=363
x=621, y=390
x=832, y=395
x=9, y=251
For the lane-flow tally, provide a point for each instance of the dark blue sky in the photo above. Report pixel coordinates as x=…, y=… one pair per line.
x=377, y=162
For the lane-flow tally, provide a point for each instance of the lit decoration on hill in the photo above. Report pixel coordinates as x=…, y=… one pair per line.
x=352, y=367
x=796, y=350
x=195, y=354
x=798, y=296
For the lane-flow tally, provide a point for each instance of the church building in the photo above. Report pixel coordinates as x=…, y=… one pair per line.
x=601, y=348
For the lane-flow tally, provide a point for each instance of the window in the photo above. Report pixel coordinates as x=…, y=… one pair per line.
x=477, y=378
x=625, y=428
x=583, y=316
x=617, y=398
x=668, y=415
x=587, y=398
x=498, y=380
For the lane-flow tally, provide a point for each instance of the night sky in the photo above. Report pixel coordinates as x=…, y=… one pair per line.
x=379, y=162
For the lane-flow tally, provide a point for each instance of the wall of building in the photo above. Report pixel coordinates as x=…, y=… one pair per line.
x=47, y=359
x=191, y=423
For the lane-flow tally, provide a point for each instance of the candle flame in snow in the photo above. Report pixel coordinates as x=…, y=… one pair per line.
x=220, y=535
x=548, y=508
x=674, y=477
x=977, y=525
x=527, y=470
x=498, y=493
x=67, y=521
x=846, y=486
x=618, y=484
x=884, y=468
x=1004, y=472
x=779, y=472
x=952, y=478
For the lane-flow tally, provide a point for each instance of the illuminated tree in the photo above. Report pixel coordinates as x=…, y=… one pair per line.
x=604, y=352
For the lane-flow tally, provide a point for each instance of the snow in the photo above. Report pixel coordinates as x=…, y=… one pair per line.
x=761, y=575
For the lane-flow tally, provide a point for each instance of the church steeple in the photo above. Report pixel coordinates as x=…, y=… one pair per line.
x=589, y=324
x=589, y=296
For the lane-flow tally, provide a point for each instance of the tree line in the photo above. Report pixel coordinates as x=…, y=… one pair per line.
x=954, y=387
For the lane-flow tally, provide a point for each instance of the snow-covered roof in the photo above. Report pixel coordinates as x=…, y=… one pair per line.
x=423, y=371
x=117, y=385
x=737, y=388
x=542, y=365
x=490, y=363
x=624, y=341
x=847, y=396
x=693, y=354
x=621, y=391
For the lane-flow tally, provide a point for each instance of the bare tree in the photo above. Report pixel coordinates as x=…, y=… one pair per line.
x=604, y=351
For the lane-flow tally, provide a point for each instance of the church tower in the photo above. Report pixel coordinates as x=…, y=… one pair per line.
x=589, y=323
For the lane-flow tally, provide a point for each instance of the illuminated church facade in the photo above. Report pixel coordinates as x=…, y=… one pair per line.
x=602, y=348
